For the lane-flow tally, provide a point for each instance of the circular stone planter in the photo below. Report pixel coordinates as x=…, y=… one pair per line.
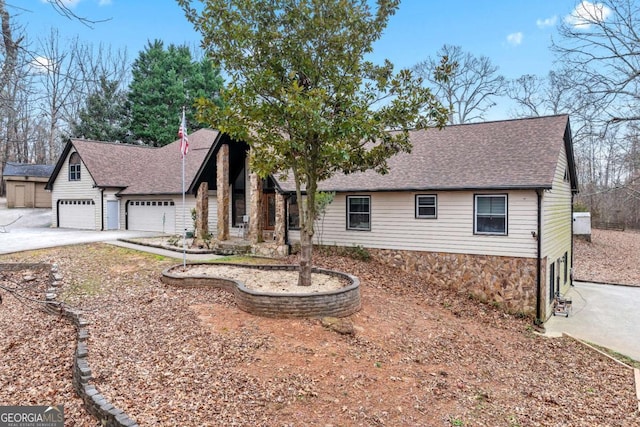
x=341, y=302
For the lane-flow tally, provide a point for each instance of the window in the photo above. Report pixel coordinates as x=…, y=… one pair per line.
x=358, y=213
x=490, y=214
x=293, y=211
x=74, y=167
x=426, y=206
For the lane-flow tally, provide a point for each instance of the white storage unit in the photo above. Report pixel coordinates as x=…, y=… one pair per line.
x=152, y=215
x=582, y=225
x=77, y=214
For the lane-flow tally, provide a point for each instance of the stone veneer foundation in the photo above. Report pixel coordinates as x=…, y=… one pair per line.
x=507, y=281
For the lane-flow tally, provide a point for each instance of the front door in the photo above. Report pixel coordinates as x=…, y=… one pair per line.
x=113, y=217
x=269, y=211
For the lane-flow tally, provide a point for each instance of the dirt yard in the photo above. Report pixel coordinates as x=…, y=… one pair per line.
x=419, y=355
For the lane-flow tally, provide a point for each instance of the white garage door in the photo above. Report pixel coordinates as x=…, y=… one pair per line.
x=152, y=215
x=77, y=214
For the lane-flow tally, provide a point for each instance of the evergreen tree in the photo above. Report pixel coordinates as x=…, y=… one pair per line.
x=105, y=115
x=165, y=80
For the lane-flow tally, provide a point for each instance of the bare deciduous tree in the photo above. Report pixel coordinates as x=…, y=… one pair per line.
x=470, y=88
x=600, y=42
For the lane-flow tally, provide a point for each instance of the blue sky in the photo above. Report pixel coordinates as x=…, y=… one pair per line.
x=514, y=34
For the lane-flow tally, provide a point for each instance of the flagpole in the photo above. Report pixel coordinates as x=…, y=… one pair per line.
x=184, y=217
x=184, y=221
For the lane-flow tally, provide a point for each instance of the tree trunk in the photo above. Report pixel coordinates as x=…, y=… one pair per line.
x=306, y=249
x=307, y=216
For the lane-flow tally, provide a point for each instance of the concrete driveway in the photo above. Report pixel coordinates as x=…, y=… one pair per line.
x=31, y=229
x=607, y=315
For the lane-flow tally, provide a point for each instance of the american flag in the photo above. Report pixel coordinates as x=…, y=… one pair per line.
x=182, y=133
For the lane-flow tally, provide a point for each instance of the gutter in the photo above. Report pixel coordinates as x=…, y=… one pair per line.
x=538, y=320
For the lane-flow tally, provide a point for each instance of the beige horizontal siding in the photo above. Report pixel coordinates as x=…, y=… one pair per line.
x=394, y=226
x=557, y=221
x=84, y=189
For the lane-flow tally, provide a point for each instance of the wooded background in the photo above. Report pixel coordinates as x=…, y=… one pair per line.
x=51, y=90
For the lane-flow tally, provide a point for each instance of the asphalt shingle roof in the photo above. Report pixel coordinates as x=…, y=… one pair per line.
x=25, y=169
x=521, y=153
x=141, y=169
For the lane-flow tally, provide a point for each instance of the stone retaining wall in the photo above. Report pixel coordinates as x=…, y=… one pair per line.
x=507, y=281
x=340, y=303
x=95, y=403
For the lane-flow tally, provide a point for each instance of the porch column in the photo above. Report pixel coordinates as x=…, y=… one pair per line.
x=278, y=231
x=255, y=208
x=202, y=214
x=222, y=184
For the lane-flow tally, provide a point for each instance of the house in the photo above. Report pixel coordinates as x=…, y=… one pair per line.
x=25, y=185
x=485, y=208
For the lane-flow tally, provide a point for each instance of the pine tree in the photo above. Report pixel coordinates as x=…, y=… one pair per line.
x=165, y=80
x=105, y=115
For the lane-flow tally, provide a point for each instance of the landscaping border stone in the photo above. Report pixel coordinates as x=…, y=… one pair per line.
x=338, y=303
x=96, y=403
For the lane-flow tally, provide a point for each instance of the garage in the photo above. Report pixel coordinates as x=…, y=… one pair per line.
x=77, y=214
x=152, y=215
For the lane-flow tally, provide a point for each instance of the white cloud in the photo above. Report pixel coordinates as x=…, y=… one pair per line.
x=41, y=64
x=549, y=22
x=514, y=39
x=587, y=13
x=66, y=3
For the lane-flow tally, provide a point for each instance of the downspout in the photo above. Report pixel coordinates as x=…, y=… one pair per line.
x=571, y=269
x=126, y=214
x=539, y=262
x=58, y=213
x=102, y=209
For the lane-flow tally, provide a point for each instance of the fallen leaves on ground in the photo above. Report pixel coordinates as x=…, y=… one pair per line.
x=610, y=257
x=36, y=349
x=420, y=355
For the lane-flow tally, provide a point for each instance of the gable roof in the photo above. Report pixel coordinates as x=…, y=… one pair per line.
x=26, y=169
x=509, y=154
x=140, y=169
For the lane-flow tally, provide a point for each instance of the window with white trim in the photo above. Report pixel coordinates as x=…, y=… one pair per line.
x=490, y=214
x=426, y=206
x=74, y=167
x=359, y=213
